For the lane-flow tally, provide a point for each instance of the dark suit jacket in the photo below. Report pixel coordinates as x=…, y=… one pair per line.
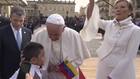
x=9, y=52
x=4, y=21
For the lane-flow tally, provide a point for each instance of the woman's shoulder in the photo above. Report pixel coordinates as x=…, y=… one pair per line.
x=136, y=28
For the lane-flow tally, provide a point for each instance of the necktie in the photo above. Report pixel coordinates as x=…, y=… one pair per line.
x=18, y=38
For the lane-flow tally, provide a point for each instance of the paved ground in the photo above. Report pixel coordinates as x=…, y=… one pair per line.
x=89, y=68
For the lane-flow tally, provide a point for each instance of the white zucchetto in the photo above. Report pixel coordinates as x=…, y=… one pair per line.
x=56, y=19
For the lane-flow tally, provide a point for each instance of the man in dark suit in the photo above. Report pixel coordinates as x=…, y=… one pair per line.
x=13, y=38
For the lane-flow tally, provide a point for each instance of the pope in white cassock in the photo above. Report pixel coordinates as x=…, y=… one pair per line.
x=60, y=43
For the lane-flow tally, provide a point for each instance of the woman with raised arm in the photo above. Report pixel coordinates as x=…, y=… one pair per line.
x=120, y=44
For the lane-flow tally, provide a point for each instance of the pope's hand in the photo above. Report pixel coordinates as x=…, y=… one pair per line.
x=53, y=68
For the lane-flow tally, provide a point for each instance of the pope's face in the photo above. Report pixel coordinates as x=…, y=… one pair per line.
x=54, y=31
x=121, y=10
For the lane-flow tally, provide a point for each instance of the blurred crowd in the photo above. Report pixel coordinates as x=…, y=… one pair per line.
x=75, y=23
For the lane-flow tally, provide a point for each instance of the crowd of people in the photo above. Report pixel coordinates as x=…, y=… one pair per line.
x=75, y=23
x=56, y=50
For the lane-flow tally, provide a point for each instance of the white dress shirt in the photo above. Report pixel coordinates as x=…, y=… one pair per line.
x=15, y=32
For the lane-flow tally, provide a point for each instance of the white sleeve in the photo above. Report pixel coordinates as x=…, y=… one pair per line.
x=14, y=76
x=103, y=24
x=91, y=26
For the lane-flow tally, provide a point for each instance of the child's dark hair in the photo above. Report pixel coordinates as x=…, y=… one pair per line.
x=31, y=50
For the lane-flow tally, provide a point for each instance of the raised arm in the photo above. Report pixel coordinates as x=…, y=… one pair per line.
x=91, y=26
x=90, y=8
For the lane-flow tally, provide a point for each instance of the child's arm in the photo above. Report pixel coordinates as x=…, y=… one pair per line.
x=29, y=76
x=14, y=76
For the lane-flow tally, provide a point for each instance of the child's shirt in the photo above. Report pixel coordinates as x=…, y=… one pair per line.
x=34, y=71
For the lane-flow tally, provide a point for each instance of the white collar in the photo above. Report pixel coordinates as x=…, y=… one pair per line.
x=35, y=66
x=35, y=69
x=124, y=23
x=14, y=30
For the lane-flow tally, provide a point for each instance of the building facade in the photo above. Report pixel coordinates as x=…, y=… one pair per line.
x=47, y=7
x=82, y=11
x=5, y=5
x=104, y=9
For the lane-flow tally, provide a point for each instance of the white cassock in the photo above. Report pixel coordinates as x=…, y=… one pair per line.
x=70, y=47
x=118, y=50
x=35, y=69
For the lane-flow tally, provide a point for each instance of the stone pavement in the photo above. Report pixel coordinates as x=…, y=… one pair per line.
x=89, y=67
